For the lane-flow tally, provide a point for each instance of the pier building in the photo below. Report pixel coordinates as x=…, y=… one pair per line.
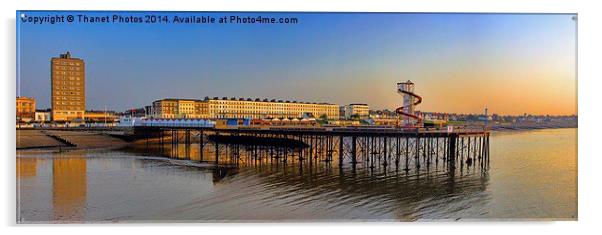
x=68, y=88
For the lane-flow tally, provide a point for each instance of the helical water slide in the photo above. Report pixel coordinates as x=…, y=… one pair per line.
x=418, y=101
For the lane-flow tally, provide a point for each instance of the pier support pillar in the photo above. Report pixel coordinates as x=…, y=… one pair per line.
x=353, y=150
x=407, y=153
x=417, y=153
x=216, y=151
x=452, y=150
x=341, y=138
x=386, y=155
x=397, y=152
x=201, y=145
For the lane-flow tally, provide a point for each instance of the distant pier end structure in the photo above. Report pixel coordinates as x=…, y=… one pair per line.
x=68, y=95
x=410, y=100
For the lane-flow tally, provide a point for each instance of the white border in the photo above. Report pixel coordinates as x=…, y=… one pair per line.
x=589, y=91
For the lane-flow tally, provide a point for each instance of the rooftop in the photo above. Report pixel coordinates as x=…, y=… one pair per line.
x=207, y=98
x=66, y=55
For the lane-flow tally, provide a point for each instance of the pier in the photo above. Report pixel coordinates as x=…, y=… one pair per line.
x=400, y=148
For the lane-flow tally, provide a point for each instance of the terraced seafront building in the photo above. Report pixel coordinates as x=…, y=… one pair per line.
x=216, y=108
x=360, y=110
x=26, y=108
x=179, y=108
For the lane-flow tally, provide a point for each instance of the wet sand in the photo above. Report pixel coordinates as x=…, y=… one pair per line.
x=29, y=139
x=53, y=139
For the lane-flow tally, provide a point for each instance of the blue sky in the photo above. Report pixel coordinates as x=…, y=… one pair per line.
x=510, y=63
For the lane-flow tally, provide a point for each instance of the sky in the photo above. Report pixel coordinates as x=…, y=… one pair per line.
x=460, y=63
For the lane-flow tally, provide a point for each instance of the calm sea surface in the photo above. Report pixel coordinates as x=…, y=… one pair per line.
x=532, y=175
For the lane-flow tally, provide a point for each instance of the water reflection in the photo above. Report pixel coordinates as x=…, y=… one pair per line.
x=26, y=167
x=69, y=187
x=173, y=184
x=363, y=194
x=312, y=188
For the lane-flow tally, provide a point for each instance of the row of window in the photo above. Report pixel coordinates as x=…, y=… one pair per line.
x=67, y=93
x=68, y=112
x=251, y=104
x=66, y=88
x=251, y=116
x=67, y=83
x=66, y=63
x=67, y=103
x=67, y=68
x=67, y=98
x=66, y=73
x=274, y=108
x=264, y=104
x=174, y=108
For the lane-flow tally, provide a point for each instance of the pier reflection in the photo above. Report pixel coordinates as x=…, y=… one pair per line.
x=366, y=190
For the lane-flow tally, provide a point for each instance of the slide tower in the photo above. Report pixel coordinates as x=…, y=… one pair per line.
x=410, y=100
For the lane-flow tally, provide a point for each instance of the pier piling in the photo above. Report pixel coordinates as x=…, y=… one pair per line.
x=373, y=148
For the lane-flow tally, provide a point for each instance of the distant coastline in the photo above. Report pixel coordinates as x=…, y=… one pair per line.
x=532, y=126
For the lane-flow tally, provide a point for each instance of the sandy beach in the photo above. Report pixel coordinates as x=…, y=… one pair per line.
x=65, y=140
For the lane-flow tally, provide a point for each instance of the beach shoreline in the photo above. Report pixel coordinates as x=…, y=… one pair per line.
x=34, y=141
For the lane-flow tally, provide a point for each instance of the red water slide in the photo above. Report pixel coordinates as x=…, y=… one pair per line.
x=411, y=115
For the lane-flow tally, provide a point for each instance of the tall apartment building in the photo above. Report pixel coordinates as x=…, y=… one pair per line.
x=68, y=88
x=215, y=108
x=26, y=108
